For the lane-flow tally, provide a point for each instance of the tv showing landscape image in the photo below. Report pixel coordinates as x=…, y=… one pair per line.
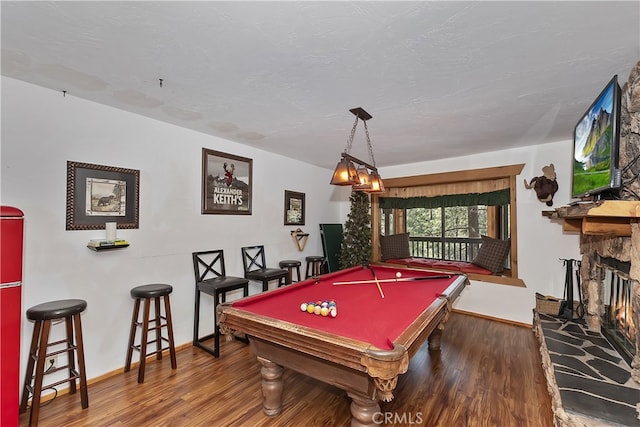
x=592, y=148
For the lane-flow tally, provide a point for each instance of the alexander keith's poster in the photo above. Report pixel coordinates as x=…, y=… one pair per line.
x=226, y=183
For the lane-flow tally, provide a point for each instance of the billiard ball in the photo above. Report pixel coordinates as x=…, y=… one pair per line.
x=398, y=275
x=303, y=306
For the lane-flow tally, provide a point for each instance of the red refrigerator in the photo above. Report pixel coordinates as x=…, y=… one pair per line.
x=11, y=232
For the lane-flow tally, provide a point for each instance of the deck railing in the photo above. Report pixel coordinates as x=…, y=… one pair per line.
x=452, y=248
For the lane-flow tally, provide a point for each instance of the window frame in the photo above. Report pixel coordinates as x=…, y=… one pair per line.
x=457, y=182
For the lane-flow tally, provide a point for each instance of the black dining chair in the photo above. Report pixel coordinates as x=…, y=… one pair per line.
x=255, y=267
x=211, y=279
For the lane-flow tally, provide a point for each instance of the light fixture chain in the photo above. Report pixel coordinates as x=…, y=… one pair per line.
x=366, y=131
x=353, y=132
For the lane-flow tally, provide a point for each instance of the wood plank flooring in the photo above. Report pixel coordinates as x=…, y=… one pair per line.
x=487, y=374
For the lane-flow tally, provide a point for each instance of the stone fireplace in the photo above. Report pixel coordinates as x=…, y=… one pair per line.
x=605, y=262
x=593, y=382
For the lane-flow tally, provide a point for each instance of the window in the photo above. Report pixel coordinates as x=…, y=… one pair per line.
x=448, y=233
x=446, y=213
x=451, y=233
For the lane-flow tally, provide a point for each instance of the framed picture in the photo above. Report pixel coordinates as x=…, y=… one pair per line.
x=98, y=194
x=293, y=208
x=226, y=183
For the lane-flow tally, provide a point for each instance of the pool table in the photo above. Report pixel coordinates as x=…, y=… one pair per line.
x=382, y=320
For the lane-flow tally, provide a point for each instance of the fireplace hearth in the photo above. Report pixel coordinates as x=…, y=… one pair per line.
x=589, y=383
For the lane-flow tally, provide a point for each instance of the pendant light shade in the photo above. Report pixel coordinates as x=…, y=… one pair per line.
x=376, y=183
x=364, y=179
x=345, y=173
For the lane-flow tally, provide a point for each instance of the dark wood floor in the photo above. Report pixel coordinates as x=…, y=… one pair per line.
x=487, y=374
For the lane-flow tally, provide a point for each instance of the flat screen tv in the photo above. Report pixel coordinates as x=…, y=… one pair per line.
x=596, y=143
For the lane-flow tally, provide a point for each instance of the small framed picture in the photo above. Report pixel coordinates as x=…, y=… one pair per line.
x=98, y=194
x=293, y=208
x=226, y=183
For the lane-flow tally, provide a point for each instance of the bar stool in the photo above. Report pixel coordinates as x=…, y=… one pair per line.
x=314, y=265
x=211, y=278
x=42, y=315
x=254, y=262
x=149, y=293
x=290, y=264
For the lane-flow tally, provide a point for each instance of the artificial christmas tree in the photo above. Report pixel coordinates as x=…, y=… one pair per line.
x=356, y=243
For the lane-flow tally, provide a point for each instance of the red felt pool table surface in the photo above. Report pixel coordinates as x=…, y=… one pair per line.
x=362, y=313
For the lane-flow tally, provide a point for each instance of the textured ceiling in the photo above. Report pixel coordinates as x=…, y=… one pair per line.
x=441, y=79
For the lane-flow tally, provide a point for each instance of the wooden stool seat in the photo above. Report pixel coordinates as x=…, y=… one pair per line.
x=147, y=293
x=56, y=309
x=314, y=266
x=43, y=315
x=151, y=291
x=290, y=264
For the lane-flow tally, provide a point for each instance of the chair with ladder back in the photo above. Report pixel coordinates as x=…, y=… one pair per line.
x=255, y=267
x=211, y=279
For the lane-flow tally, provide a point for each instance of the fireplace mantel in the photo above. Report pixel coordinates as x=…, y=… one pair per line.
x=608, y=217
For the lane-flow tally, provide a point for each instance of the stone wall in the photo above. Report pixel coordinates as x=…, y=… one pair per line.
x=626, y=249
x=630, y=134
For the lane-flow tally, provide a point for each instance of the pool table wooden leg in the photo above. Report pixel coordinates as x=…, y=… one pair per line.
x=363, y=410
x=435, y=338
x=272, y=386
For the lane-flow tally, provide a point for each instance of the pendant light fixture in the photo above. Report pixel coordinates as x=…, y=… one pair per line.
x=364, y=176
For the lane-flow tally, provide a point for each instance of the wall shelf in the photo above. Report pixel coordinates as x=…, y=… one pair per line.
x=106, y=248
x=608, y=217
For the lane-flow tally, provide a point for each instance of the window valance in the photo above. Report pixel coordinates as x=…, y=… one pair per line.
x=492, y=198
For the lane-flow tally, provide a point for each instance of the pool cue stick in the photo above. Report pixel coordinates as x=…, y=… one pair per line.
x=397, y=279
x=375, y=277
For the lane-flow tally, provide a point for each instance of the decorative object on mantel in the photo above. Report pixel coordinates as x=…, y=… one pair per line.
x=300, y=237
x=346, y=172
x=545, y=186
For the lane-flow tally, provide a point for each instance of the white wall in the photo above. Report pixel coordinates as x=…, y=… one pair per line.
x=42, y=130
x=541, y=242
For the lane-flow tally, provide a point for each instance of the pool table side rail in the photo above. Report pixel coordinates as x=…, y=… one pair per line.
x=430, y=325
x=317, y=343
x=350, y=352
